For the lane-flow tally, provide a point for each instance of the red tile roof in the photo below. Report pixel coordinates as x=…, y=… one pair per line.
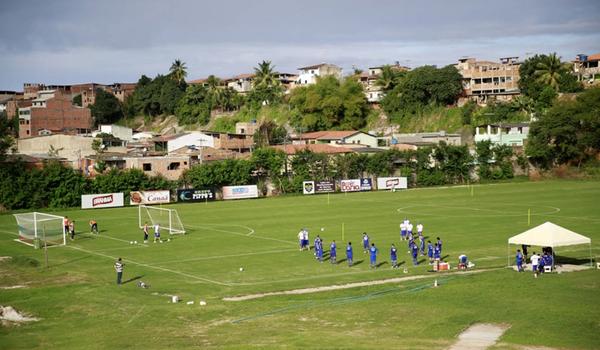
x=315, y=148
x=594, y=57
x=328, y=135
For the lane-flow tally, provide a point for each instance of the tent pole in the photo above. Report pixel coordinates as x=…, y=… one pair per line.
x=591, y=261
x=508, y=255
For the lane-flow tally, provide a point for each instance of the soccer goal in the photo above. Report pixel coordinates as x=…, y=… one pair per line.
x=40, y=229
x=167, y=219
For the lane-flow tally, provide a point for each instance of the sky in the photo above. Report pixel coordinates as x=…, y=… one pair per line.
x=67, y=42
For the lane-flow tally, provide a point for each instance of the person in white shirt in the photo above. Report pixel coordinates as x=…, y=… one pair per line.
x=410, y=230
x=306, y=241
x=402, y=231
x=301, y=239
x=157, y=233
x=420, y=229
x=535, y=259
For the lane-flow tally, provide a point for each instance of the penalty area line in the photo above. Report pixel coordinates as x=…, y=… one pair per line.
x=160, y=268
x=249, y=235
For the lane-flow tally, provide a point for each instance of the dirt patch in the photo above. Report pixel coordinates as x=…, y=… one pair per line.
x=4, y=258
x=479, y=336
x=8, y=316
x=340, y=286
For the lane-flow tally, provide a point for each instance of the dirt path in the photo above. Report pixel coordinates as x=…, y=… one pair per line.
x=346, y=286
x=479, y=336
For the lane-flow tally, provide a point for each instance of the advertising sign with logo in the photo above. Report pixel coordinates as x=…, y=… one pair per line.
x=192, y=195
x=324, y=186
x=350, y=185
x=388, y=183
x=104, y=200
x=149, y=197
x=366, y=184
x=308, y=187
x=240, y=192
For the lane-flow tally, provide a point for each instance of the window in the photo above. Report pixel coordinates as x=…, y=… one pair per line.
x=147, y=167
x=173, y=166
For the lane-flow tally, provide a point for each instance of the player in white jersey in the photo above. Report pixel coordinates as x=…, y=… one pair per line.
x=420, y=229
x=402, y=231
x=301, y=239
x=305, y=238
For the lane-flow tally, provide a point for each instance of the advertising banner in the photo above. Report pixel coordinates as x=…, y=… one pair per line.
x=388, y=183
x=240, y=192
x=104, y=200
x=308, y=187
x=324, y=186
x=350, y=185
x=149, y=197
x=193, y=195
x=366, y=184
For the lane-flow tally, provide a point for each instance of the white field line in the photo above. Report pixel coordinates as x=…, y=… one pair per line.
x=342, y=286
x=227, y=256
x=243, y=234
x=151, y=266
x=136, y=314
x=108, y=237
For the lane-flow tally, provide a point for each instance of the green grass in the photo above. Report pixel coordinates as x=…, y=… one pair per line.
x=81, y=307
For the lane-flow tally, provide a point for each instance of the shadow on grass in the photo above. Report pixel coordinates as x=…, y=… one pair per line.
x=570, y=260
x=70, y=261
x=421, y=261
x=445, y=256
x=357, y=262
x=132, y=279
x=381, y=264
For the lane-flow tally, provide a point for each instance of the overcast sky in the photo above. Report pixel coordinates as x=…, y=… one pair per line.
x=63, y=42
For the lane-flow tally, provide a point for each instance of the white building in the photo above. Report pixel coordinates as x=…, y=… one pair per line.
x=121, y=132
x=241, y=83
x=512, y=134
x=308, y=75
x=350, y=137
x=190, y=139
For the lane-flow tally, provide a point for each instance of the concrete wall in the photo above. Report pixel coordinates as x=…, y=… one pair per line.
x=121, y=132
x=171, y=167
x=70, y=147
x=363, y=139
x=194, y=138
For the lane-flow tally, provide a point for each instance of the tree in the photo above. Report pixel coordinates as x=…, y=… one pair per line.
x=388, y=78
x=266, y=87
x=549, y=70
x=106, y=109
x=194, y=106
x=178, y=71
x=7, y=139
x=77, y=100
x=269, y=133
x=329, y=104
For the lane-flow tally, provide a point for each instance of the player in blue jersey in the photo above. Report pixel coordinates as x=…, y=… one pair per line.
x=373, y=255
x=318, y=248
x=411, y=242
x=394, y=256
x=519, y=259
x=422, y=245
x=437, y=253
x=349, y=254
x=365, y=242
x=430, y=252
x=439, y=244
x=415, y=253
x=333, y=253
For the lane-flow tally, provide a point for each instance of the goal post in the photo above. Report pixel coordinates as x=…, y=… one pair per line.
x=41, y=229
x=166, y=219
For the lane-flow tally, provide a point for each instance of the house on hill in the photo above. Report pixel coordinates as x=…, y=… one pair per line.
x=308, y=75
x=337, y=138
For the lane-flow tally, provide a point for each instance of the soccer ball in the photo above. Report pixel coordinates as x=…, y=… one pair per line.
x=241, y=269
x=202, y=302
x=322, y=229
x=130, y=242
x=169, y=240
x=134, y=242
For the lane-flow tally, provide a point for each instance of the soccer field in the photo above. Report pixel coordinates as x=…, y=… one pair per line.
x=80, y=306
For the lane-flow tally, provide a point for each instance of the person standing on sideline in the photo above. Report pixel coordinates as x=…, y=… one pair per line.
x=415, y=253
x=437, y=253
x=301, y=239
x=333, y=253
x=402, y=231
x=524, y=247
x=72, y=229
x=439, y=244
x=349, y=254
x=157, y=233
x=430, y=252
x=410, y=229
x=373, y=255
x=422, y=245
x=535, y=259
x=305, y=239
x=145, y=229
x=420, y=230
x=119, y=268
x=93, y=226
x=519, y=258
x=365, y=242
x=394, y=256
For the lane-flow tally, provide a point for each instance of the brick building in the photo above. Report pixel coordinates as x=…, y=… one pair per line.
x=52, y=111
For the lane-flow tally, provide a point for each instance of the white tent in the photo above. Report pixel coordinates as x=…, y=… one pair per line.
x=550, y=235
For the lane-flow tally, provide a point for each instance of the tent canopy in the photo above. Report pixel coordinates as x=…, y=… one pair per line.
x=549, y=235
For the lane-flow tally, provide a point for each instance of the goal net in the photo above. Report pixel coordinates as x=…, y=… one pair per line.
x=167, y=219
x=39, y=229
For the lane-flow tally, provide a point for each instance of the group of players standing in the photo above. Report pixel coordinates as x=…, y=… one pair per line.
x=434, y=251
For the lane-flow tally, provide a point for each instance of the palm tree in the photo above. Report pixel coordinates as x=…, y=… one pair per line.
x=265, y=76
x=214, y=91
x=548, y=71
x=388, y=79
x=178, y=70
